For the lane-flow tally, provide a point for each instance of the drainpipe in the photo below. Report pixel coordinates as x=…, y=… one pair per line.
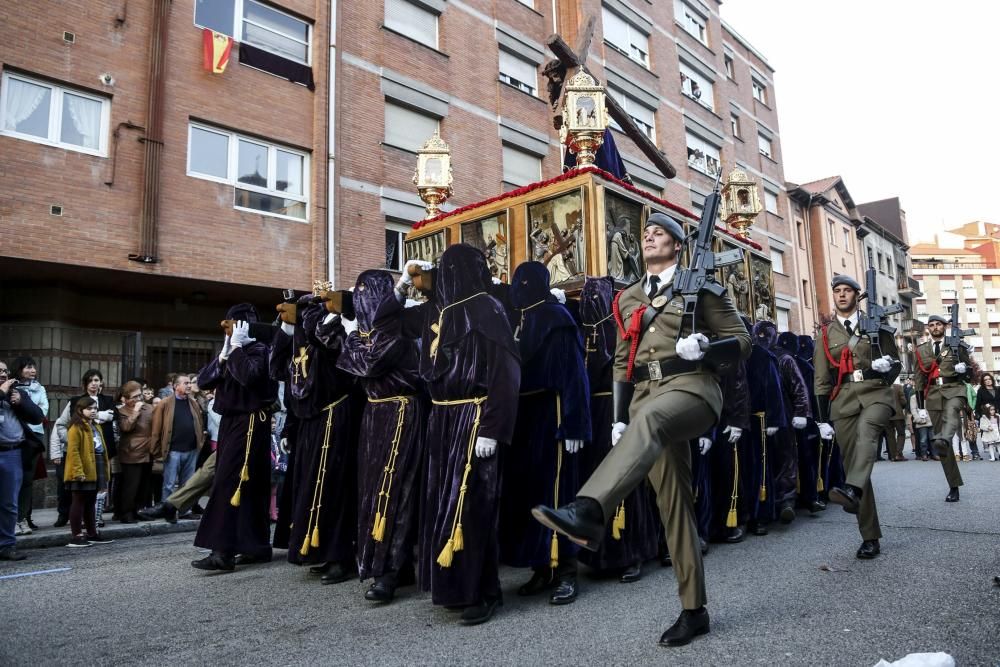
x=153, y=141
x=331, y=166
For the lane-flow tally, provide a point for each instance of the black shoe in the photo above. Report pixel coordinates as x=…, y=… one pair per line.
x=565, y=592
x=31, y=525
x=817, y=506
x=632, y=574
x=322, y=568
x=869, y=549
x=197, y=510
x=152, y=513
x=689, y=625
x=787, y=513
x=736, y=535
x=215, y=561
x=541, y=581
x=61, y=521
x=381, y=590
x=480, y=613
x=582, y=521
x=78, y=542
x=337, y=574
x=666, y=560
x=952, y=496
x=127, y=518
x=100, y=523
x=10, y=553
x=759, y=529
x=704, y=546
x=848, y=497
x=245, y=559
x=98, y=538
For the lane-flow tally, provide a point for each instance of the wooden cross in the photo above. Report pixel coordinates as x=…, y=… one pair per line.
x=558, y=71
x=300, y=364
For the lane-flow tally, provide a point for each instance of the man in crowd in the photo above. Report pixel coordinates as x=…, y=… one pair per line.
x=17, y=413
x=178, y=434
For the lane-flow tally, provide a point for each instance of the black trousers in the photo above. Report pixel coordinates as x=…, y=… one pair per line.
x=134, y=485
x=63, y=495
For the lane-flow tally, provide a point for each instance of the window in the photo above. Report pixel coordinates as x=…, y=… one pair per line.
x=770, y=202
x=257, y=24
x=782, y=319
x=528, y=3
x=759, y=91
x=692, y=22
x=847, y=240
x=970, y=309
x=518, y=72
x=702, y=155
x=888, y=267
x=777, y=260
x=734, y=123
x=881, y=268
x=643, y=116
x=697, y=87
x=395, y=234
x=991, y=308
x=407, y=129
x=625, y=37
x=764, y=146
x=921, y=310
x=46, y=113
x=267, y=178
x=833, y=232
x=871, y=258
x=805, y=292
x=800, y=233
x=968, y=284
x=729, y=66
x=413, y=21
x=520, y=168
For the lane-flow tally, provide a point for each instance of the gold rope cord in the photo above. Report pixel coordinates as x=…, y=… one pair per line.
x=436, y=328
x=762, y=495
x=456, y=542
x=245, y=470
x=385, y=489
x=731, y=519
x=554, y=549
x=520, y=326
x=819, y=467
x=312, y=529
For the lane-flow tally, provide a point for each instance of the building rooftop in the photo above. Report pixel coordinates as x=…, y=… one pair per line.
x=888, y=214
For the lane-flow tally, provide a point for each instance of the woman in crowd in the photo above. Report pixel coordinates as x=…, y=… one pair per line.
x=135, y=424
x=25, y=370
x=989, y=426
x=86, y=471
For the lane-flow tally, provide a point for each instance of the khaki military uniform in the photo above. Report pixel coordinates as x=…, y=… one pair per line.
x=945, y=402
x=664, y=415
x=860, y=412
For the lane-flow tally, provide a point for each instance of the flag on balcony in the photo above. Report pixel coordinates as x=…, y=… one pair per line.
x=216, y=49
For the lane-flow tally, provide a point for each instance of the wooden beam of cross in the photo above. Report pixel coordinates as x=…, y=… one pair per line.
x=567, y=60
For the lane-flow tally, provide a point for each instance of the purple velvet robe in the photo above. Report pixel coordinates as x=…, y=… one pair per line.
x=244, y=395
x=324, y=497
x=390, y=446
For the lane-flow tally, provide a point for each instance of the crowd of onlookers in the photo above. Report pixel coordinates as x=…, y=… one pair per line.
x=114, y=454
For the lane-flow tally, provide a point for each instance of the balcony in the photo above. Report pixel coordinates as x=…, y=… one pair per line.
x=909, y=287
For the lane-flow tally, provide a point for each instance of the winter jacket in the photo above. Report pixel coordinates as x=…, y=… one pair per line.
x=915, y=412
x=81, y=458
x=990, y=428
x=36, y=392
x=136, y=441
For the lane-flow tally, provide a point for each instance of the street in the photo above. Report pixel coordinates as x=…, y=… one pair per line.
x=797, y=596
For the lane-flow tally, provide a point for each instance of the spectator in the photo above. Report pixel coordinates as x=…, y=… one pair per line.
x=148, y=395
x=989, y=426
x=169, y=388
x=17, y=414
x=986, y=394
x=178, y=435
x=93, y=383
x=921, y=432
x=25, y=371
x=135, y=424
x=972, y=421
x=86, y=471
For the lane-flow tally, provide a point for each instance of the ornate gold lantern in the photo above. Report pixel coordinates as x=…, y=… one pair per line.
x=433, y=176
x=740, y=203
x=584, y=118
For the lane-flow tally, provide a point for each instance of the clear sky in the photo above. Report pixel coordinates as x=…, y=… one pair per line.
x=899, y=98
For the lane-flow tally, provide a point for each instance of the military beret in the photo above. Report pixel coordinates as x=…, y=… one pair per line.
x=670, y=225
x=936, y=318
x=845, y=280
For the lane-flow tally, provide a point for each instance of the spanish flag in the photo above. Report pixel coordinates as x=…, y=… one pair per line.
x=216, y=49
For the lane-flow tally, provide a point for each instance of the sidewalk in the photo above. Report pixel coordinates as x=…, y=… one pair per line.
x=47, y=536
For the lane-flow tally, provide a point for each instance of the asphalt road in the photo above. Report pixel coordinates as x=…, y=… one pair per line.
x=797, y=596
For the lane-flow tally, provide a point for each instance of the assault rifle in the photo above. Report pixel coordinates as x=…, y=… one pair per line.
x=953, y=338
x=872, y=322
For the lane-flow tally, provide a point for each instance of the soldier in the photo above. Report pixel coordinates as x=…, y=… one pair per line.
x=853, y=390
x=941, y=391
x=666, y=390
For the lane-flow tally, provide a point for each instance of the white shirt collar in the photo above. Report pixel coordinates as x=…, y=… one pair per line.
x=665, y=277
x=853, y=319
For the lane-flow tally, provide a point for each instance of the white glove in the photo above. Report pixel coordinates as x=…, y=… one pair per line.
x=573, y=446
x=771, y=430
x=692, y=348
x=485, y=447
x=227, y=347
x=799, y=422
x=825, y=431
x=406, y=279
x=734, y=433
x=105, y=416
x=241, y=334
x=882, y=365
x=922, y=415
x=616, y=432
x=283, y=445
x=960, y=367
x=288, y=328
x=704, y=444
x=559, y=294
x=349, y=325
x=496, y=281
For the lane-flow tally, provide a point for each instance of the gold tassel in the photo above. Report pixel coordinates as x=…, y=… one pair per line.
x=459, y=537
x=819, y=470
x=375, y=533
x=305, y=547
x=314, y=542
x=235, y=500
x=245, y=474
x=819, y=484
x=762, y=496
x=446, y=555
x=554, y=552
x=618, y=524
x=731, y=519
x=379, y=529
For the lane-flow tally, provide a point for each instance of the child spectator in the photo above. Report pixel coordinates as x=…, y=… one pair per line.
x=989, y=426
x=86, y=472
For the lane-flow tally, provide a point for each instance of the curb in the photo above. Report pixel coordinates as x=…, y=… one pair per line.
x=121, y=531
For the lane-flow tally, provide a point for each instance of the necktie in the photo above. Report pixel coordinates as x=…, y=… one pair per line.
x=654, y=285
x=937, y=348
x=850, y=329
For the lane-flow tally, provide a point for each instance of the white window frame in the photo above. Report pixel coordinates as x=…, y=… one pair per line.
x=729, y=66
x=765, y=146
x=637, y=48
x=402, y=230
x=773, y=197
x=709, y=152
x=529, y=87
x=735, y=125
x=631, y=105
x=55, y=115
x=783, y=318
x=232, y=165
x=525, y=153
x=778, y=261
x=693, y=22
x=237, y=31
x=403, y=29
x=759, y=90
x=690, y=78
x=437, y=126
x=847, y=239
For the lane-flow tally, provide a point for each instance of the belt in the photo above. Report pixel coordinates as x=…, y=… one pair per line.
x=941, y=381
x=657, y=370
x=8, y=446
x=861, y=376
